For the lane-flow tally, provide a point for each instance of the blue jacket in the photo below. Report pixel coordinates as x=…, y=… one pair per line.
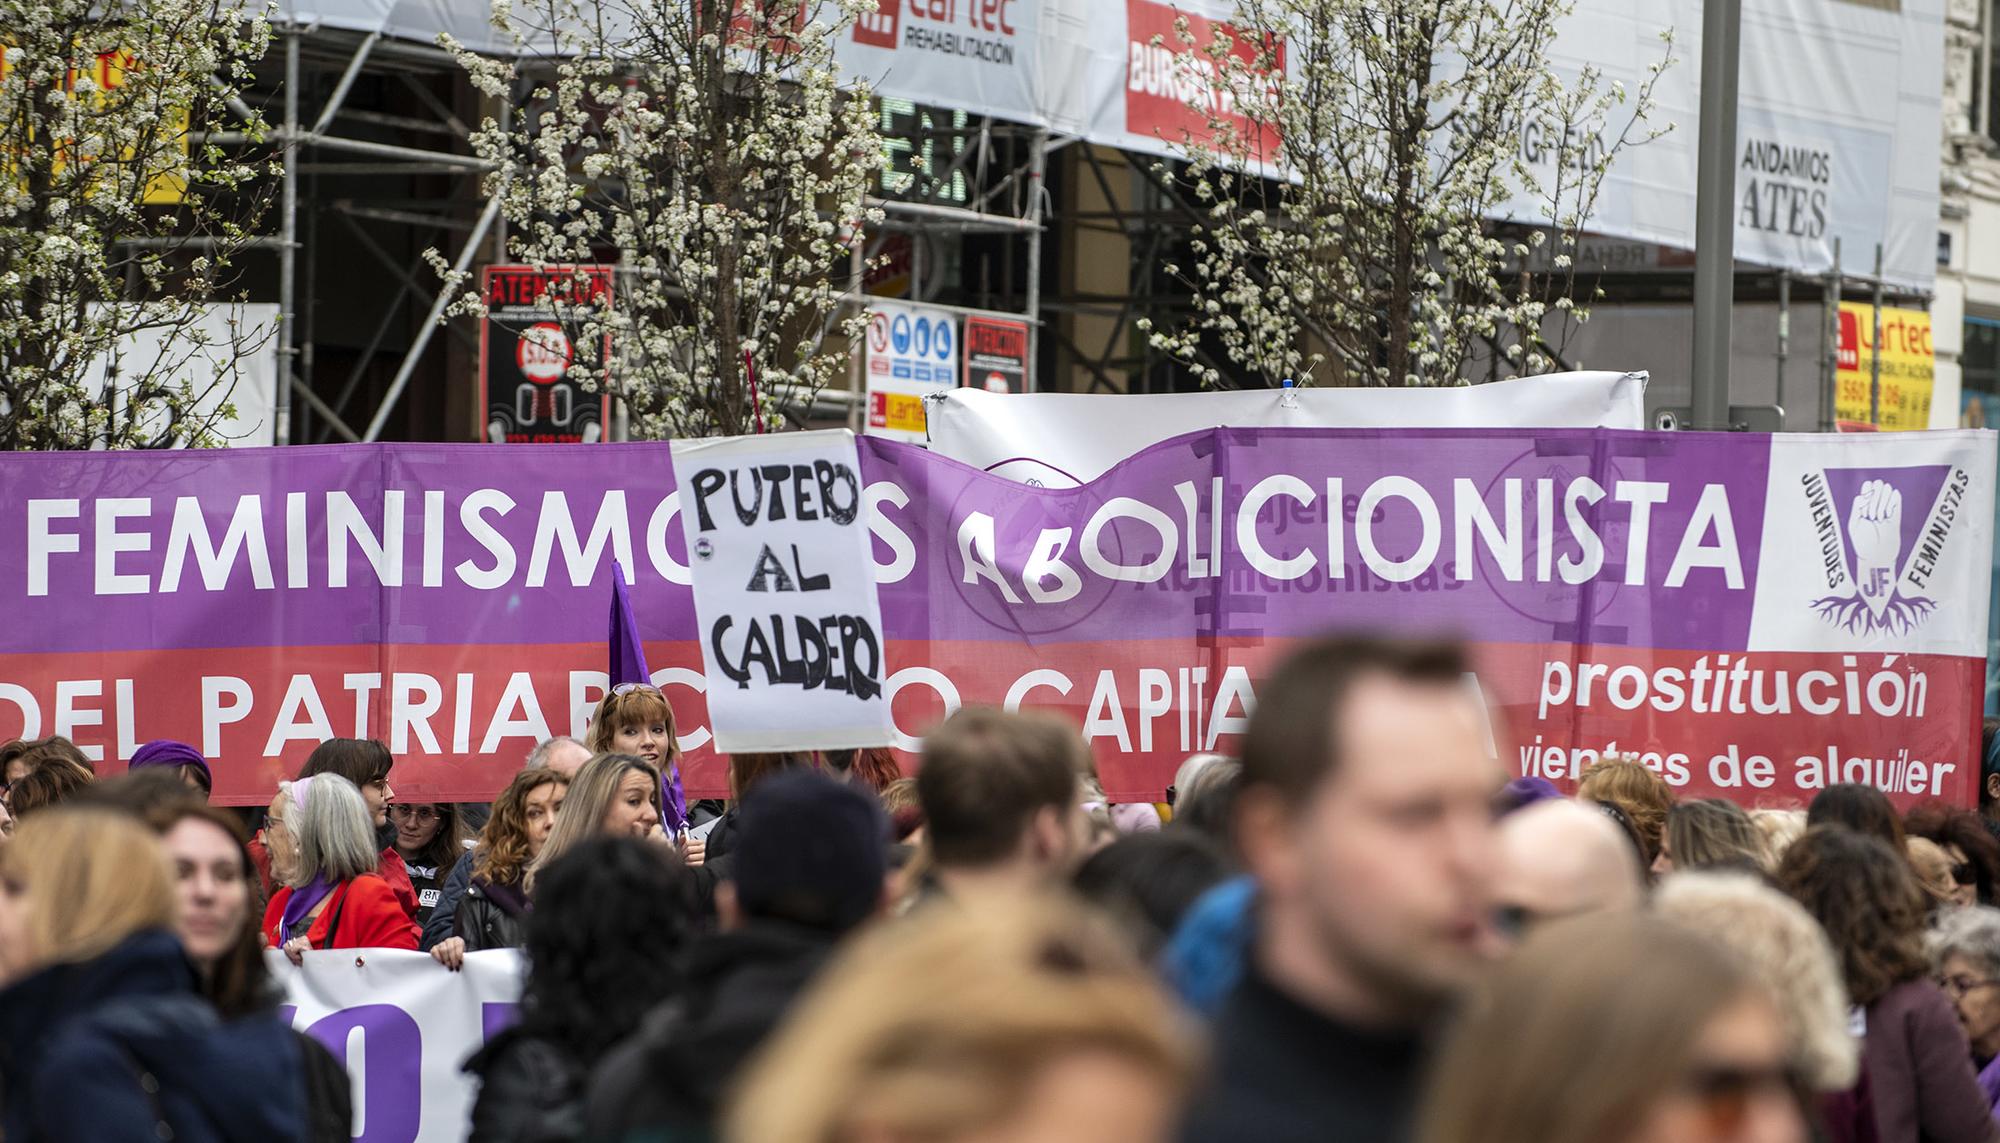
x=1203, y=961
x=116, y=1047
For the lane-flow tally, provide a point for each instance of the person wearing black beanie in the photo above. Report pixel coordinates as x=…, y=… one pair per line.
x=810, y=865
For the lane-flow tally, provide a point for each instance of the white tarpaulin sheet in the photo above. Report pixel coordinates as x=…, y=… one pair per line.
x=193, y=359
x=1061, y=440
x=1837, y=138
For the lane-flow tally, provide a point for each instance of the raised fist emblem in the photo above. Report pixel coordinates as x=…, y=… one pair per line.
x=1875, y=528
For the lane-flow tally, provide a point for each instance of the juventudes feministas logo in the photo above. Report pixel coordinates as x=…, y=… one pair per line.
x=1882, y=534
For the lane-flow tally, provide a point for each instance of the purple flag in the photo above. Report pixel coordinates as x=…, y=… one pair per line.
x=628, y=653
x=628, y=666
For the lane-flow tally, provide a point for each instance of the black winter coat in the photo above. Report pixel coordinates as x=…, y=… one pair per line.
x=530, y=1091
x=724, y=836
x=669, y=1080
x=490, y=920
x=123, y=1047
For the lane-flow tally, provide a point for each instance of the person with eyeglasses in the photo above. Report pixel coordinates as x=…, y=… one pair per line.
x=429, y=840
x=636, y=719
x=1933, y=867
x=1561, y=859
x=1965, y=954
x=366, y=762
x=1617, y=1028
x=1917, y=1066
x=1779, y=941
x=1974, y=855
x=332, y=896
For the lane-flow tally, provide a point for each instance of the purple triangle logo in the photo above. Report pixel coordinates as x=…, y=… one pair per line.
x=1871, y=522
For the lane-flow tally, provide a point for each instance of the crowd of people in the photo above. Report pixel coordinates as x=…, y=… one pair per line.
x=1355, y=928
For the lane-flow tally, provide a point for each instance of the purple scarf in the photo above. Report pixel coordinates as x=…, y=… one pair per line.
x=673, y=800
x=303, y=900
x=1989, y=1082
x=307, y=897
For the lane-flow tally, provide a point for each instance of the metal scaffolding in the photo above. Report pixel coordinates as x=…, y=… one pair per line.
x=374, y=135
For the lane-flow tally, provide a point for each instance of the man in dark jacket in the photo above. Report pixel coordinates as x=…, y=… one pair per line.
x=1366, y=817
x=811, y=863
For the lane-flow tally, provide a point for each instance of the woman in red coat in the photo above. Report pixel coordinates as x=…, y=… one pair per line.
x=323, y=851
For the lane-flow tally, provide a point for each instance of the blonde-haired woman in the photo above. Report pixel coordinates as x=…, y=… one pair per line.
x=1639, y=793
x=103, y=1031
x=1780, y=829
x=1789, y=952
x=614, y=794
x=636, y=719
x=1024, y=1020
x=1617, y=1028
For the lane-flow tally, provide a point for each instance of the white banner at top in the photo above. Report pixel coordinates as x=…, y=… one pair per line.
x=1837, y=135
x=979, y=55
x=1061, y=440
x=1837, y=138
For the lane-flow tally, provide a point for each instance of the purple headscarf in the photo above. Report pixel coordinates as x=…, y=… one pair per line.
x=167, y=752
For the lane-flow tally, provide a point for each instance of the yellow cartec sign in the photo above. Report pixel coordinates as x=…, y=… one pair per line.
x=107, y=72
x=1908, y=365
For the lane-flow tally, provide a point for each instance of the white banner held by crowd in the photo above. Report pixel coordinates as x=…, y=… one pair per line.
x=403, y=1027
x=1060, y=440
x=784, y=591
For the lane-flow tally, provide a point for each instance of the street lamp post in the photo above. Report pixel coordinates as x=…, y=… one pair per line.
x=1715, y=213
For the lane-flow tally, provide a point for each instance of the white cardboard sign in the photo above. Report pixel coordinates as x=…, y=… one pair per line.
x=784, y=591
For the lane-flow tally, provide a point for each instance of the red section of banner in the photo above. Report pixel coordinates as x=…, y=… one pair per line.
x=1764, y=729
x=1175, y=90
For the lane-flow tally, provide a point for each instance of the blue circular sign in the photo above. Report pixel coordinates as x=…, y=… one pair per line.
x=923, y=337
x=899, y=333
x=943, y=341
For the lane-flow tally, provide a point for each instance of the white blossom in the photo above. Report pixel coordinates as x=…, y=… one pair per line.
x=1385, y=139
x=82, y=157
x=724, y=163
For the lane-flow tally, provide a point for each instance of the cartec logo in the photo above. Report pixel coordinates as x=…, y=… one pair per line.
x=878, y=28
x=1850, y=340
x=978, y=29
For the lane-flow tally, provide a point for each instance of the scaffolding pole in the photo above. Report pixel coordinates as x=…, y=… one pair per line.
x=1829, y=337
x=431, y=322
x=1038, y=163
x=288, y=233
x=1875, y=349
x=1784, y=333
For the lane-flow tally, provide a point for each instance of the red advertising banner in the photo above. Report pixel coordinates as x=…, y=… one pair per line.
x=1174, y=90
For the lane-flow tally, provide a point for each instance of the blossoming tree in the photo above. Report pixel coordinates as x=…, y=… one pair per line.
x=712, y=150
x=119, y=221
x=1356, y=157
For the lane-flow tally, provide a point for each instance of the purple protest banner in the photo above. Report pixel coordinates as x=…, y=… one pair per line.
x=1750, y=615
